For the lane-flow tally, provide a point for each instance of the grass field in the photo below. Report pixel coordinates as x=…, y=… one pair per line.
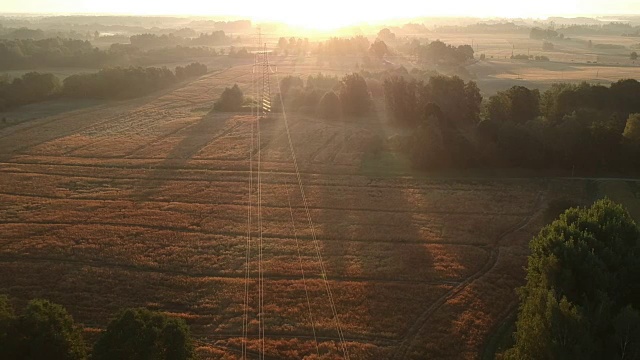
x=144, y=203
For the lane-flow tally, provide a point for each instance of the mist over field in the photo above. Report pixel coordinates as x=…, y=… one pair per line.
x=319, y=181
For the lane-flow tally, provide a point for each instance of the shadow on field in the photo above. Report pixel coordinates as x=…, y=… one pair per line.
x=205, y=130
x=381, y=241
x=369, y=239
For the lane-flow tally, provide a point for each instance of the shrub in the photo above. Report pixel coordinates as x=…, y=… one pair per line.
x=230, y=100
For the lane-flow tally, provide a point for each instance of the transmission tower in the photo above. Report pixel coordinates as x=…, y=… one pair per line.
x=262, y=80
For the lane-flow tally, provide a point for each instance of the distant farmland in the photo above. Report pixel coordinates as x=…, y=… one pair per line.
x=143, y=203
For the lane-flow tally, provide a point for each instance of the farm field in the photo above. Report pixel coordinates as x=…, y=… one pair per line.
x=571, y=60
x=144, y=203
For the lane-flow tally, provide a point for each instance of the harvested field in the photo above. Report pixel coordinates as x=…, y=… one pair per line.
x=144, y=203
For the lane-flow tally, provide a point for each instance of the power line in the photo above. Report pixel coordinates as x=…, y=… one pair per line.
x=263, y=107
x=304, y=281
x=260, y=265
x=245, y=323
x=345, y=351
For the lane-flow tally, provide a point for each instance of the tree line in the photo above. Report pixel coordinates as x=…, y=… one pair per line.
x=52, y=52
x=358, y=45
x=293, y=46
x=109, y=83
x=582, y=127
x=322, y=95
x=582, y=296
x=24, y=33
x=146, y=48
x=437, y=52
x=327, y=96
x=46, y=331
x=147, y=40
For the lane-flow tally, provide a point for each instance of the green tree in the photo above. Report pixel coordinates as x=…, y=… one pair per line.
x=354, y=95
x=46, y=331
x=632, y=129
x=498, y=108
x=401, y=97
x=140, y=334
x=7, y=323
x=634, y=56
x=459, y=101
x=518, y=104
x=582, y=291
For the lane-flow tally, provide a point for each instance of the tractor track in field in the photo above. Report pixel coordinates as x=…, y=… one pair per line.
x=409, y=337
x=306, y=336
x=409, y=183
x=128, y=123
x=213, y=274
x=267, y=205
x=236, y=234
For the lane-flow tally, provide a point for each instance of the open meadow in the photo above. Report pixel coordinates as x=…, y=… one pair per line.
x=143, y=203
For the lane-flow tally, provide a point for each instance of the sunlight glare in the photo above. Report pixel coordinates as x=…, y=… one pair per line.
x=329, y=14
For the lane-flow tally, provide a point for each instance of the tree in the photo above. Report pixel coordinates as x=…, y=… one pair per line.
x=632, y=129
x=140, y=334
x=517, y=104
x=231, y=99
x=386, y=35
x=330, y=106
x=7, y=321
x=45, y=331
x=193, y=69
x=582, y=291
x=439, y=52
x=283, y=44
x=459, y=101
x=290, y=82
x=379, y=49
x=538, y=33
x=626, y=336
x=354, y=95
x=402, y=101
x=428, y=146
x=498, y=108
x=634, y=56
x=624, y=96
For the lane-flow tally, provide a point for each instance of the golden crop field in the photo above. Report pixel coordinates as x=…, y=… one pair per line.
x=144, y=203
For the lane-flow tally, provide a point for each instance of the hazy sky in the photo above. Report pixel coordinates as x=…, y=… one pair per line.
x=329, y=13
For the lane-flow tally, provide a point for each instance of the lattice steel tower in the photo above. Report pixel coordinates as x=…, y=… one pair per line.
x=262, y=80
